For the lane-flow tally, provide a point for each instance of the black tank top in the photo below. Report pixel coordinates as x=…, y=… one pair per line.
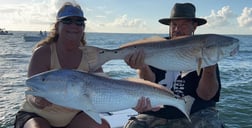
x=182, y=87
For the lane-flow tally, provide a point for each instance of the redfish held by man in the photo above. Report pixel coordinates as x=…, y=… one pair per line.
x=96, y=94
x=189, y=53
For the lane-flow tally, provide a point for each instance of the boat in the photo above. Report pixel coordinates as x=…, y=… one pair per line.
x=34, y=38
x=4, y=32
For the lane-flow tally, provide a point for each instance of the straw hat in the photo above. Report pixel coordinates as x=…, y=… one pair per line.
x=183, y=11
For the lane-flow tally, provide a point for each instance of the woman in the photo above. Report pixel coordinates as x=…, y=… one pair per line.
x=59, y=50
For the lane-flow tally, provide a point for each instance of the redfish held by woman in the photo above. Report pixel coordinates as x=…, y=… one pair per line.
x=96, y=94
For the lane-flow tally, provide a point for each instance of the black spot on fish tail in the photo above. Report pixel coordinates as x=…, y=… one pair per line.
x=107, y=113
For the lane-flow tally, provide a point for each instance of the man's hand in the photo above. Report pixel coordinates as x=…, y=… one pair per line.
x=144, y=104
x=136, y=60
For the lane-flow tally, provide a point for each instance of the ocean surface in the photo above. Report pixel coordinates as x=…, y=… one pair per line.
x=235, y=104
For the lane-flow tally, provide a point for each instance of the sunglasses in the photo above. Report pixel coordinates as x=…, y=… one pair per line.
x=68, y=21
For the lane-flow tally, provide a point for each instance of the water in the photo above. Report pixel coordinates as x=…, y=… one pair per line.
x=236, y=75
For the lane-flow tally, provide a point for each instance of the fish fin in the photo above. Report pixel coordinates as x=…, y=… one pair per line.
x=199, y=65
x=144, y=41
x=188, y=105
x=95, y=116
x=184, y=73
x=89, y=109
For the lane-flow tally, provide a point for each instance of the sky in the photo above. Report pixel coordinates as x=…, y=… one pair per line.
x=128, y=16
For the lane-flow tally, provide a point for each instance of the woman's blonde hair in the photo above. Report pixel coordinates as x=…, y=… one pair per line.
x=54, y=34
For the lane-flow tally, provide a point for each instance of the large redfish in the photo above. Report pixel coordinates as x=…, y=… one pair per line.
x=183, y=54
x=96, y=94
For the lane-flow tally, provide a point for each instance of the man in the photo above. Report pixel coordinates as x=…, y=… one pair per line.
x=205, y=88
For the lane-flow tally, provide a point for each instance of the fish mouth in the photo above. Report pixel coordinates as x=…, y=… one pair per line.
x=33, y=89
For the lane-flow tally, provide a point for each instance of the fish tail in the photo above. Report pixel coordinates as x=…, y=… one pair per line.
x=96, y=56
x=185, y=106
x=188, y=104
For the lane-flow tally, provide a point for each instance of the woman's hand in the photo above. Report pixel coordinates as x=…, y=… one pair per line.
x=144, y=104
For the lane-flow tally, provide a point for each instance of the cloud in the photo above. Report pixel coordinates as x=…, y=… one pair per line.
x=59, y=3
x=245, y=19
x=41, y=13
x=120, y=24
x=220, y=18
x=100, y=16
x=88, y=9
x=124, y=21
x=7, y=10
x=23, y=14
